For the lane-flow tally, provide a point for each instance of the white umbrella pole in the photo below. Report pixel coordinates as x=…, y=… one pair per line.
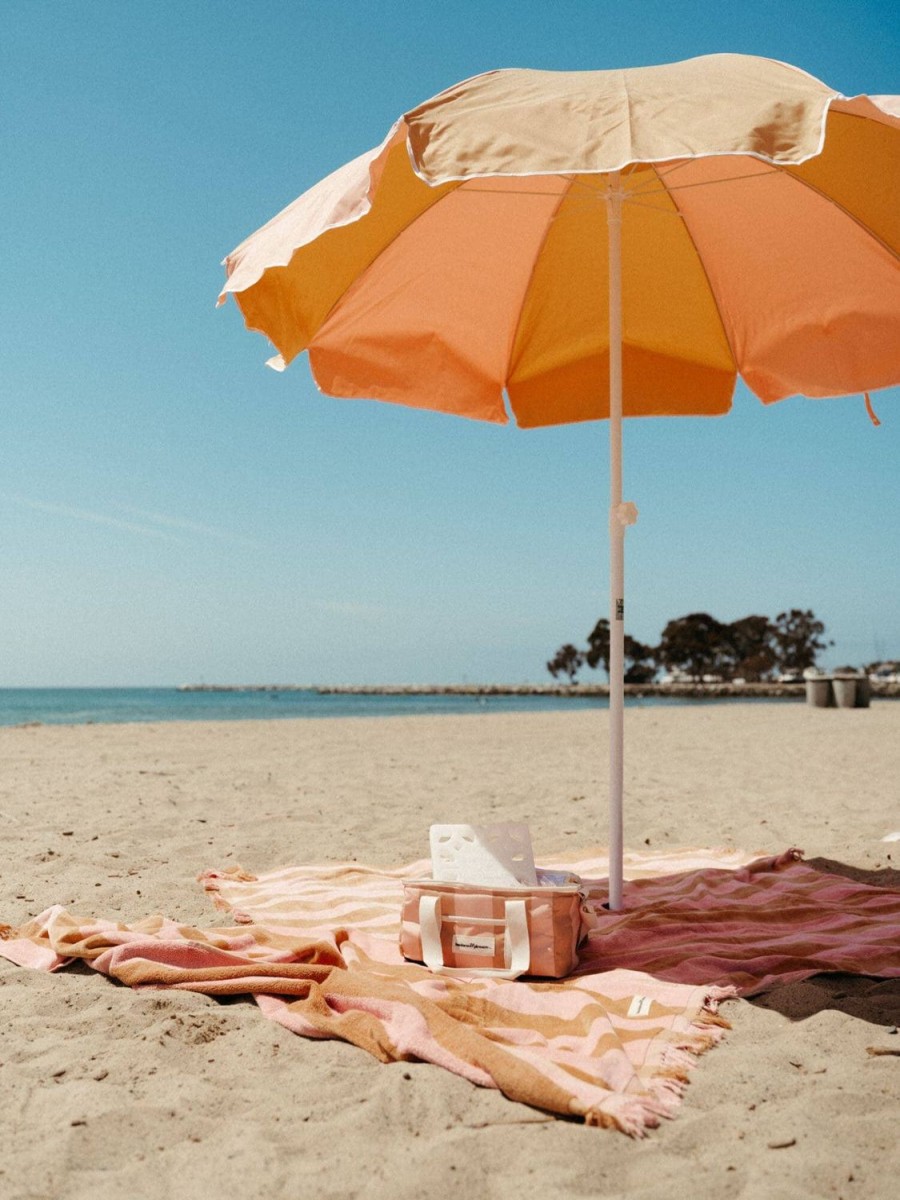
x=616, y=547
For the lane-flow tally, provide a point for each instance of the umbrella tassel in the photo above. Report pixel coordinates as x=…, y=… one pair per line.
x=871, y=411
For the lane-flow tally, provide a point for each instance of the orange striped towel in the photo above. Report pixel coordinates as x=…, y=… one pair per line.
x=318, y=948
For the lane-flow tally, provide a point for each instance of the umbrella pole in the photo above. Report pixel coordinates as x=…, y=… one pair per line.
x=616, y=547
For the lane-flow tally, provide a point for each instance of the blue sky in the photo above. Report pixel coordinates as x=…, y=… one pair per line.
x=172, y=511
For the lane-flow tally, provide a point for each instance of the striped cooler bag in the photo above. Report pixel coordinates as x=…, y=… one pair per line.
x=500, y=931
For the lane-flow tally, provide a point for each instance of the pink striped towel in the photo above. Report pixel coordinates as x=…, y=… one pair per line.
x=317, y=946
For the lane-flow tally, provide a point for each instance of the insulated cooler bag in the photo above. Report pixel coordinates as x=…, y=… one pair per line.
x=494, y=931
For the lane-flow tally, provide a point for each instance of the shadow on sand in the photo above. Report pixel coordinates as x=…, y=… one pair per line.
x=874, y=1000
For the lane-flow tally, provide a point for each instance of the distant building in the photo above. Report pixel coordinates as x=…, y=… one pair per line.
x=888, y=670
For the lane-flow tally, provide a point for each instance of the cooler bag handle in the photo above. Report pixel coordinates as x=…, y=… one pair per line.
x=517, y=948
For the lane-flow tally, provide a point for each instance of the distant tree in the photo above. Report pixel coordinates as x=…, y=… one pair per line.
x=598, y=646
x=568, y=660
x=696, y=644
x=752, y=644
x=752, y=647
x=640, y=666
x=798, y=639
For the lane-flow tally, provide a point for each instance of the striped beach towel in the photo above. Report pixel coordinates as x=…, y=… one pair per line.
x=689, y=916
x=318, y=948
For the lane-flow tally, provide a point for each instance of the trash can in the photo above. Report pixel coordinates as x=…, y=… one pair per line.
x=819, y=693
x=845, y=690
x=863, y=691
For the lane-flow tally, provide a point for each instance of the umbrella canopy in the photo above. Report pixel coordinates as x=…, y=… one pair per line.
x=467, y=255
x=582, y=245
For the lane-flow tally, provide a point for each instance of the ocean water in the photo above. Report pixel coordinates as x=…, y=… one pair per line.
x=81, y=706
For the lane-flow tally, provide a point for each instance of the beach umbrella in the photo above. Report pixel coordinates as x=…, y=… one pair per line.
x=571, y=246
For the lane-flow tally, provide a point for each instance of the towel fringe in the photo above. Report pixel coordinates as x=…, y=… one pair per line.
x=211, y=884
x=210, y=878
x=632, y=1115
x=713, y=1019
x=635, y=1115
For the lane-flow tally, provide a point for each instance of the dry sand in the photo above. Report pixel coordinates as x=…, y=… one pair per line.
x=109, y=1093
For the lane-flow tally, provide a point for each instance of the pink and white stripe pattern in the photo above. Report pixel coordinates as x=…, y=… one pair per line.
x=318, y=948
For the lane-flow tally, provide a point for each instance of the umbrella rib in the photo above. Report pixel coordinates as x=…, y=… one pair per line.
x=852, y=217
x=597, y=194
x=847, y=213
x=588, y=187
x=775, y=169
x=712, y=290
x=680, y=187
x=572, y=180
x=684, y=162
x=353, y=282
x=515, y=332
x=666, y=212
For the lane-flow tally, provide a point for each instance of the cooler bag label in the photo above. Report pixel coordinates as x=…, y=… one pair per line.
x=474, y=943
x=640, y=1006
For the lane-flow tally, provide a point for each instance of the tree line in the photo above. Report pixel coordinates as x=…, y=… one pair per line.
x=753, y=648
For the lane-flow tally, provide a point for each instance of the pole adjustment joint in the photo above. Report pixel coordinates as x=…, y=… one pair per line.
x=625, y=513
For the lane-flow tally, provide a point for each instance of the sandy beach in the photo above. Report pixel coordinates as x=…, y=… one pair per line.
x=113, y=1093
